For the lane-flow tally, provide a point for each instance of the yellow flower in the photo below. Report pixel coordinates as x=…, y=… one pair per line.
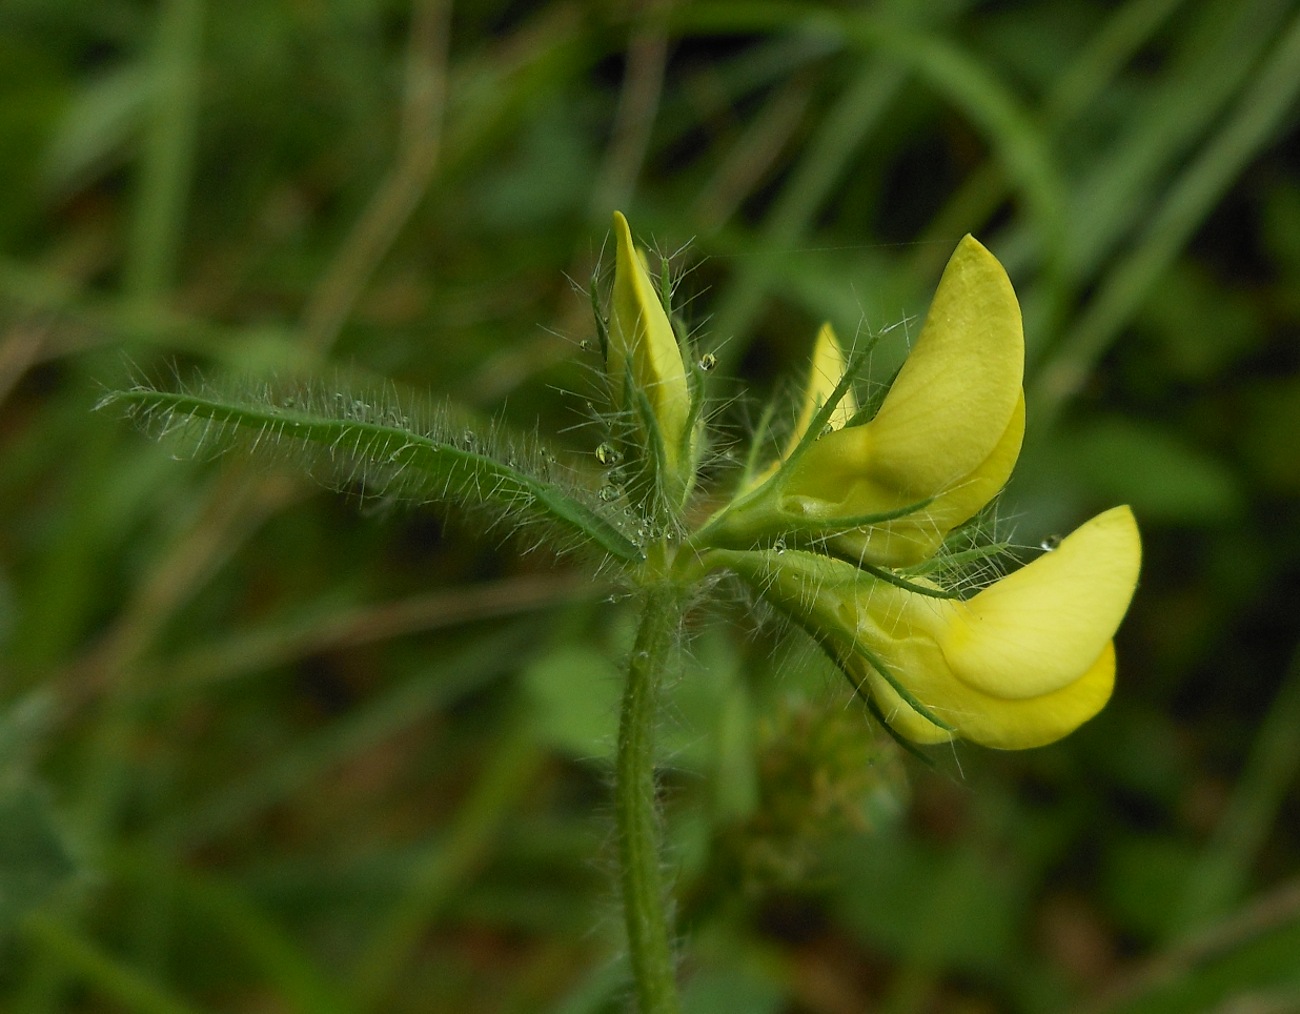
x=643, y=358
x=1021, y=664
x=944, y=441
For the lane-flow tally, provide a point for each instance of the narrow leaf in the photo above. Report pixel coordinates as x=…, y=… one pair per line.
x=345, y=440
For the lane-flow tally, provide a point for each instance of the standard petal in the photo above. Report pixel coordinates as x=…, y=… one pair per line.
x=951, y=402
x=1034, y=631
x=962, y=500
x=916, y=537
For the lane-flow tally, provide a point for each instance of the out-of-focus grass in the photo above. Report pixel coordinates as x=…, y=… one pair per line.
x=264, y=747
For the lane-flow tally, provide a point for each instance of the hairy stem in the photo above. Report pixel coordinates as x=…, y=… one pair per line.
x=638, y=823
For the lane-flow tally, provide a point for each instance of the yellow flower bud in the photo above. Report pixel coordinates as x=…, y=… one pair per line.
x=643, y=358
x=1021, y=664
x=944, y=441
x=828, y=366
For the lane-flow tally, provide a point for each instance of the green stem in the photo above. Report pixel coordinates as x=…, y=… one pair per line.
x=634, y=804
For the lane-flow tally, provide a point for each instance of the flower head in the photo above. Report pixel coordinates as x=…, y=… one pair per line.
x=838, y=532
x=889, y=490
x=1020, y=664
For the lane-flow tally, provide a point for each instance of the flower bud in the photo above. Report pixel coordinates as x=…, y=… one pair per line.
x=644, y=364
x=828, y=366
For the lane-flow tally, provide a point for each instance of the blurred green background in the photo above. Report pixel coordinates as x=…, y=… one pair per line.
x=265, y=747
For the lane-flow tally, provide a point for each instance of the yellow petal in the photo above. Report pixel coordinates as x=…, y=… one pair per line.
x=1035, y=630
x=834, y=477
x=995, y=722
x=902, y=717
x=947, y=434
x=1022, y=663
x=950, y=427
x=911, y=637
x=962, y=500
x=828, y=366
x=950, y=403
x=916, y=537
x=642, y=346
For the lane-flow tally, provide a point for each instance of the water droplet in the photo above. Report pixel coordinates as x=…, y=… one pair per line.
x=586, y=345
x=468, y=439
x=779, y=546
x=608, y=492
x=828, y=428
x=1051, y=542
x=708, y=362
x=607, y=454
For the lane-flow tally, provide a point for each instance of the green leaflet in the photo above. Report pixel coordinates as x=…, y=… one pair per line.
x=344, y=440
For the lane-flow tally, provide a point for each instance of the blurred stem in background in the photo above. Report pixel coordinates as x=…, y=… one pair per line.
x=165, y=171
x=419, y=141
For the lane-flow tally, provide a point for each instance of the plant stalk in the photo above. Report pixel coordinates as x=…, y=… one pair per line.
x=644, y=908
